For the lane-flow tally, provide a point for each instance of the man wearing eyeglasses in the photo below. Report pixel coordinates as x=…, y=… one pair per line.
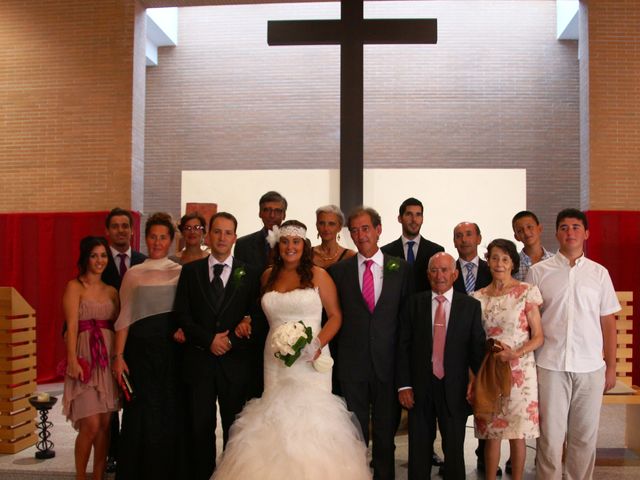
x=253, y=248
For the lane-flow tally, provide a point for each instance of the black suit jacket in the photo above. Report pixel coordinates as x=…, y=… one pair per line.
x=426, y=249
x=111, y=276
x=368, y=340
x=251, y=249
x=483, y=278
x=201, y=320
x=464, y=349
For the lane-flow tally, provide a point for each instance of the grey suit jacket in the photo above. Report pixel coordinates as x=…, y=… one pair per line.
x=367, y=341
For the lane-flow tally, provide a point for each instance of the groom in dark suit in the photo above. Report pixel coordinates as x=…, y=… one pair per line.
x=412, y=246
x=441, y=338
x=372, y=288
x=214, y=295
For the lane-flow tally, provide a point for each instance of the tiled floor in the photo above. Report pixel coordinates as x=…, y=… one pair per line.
x=23, y=465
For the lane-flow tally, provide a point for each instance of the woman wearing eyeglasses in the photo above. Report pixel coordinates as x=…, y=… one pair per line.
x=193, y=230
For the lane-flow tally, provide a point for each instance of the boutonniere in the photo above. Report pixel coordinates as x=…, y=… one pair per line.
x=238, y=275
x=392, y=266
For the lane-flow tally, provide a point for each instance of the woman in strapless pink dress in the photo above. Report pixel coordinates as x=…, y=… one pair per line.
x=90, y=393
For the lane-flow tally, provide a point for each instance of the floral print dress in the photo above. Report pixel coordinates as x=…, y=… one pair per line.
x=504, y=318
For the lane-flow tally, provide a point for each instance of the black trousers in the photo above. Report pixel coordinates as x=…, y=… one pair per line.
x=422, y=425
x=201, y=399
x=380, y=399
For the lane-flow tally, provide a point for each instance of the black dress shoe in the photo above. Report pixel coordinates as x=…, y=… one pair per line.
x=111, y=465
x=507, y=467
x=436, y=461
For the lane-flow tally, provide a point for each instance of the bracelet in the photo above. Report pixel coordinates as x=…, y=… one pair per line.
x=116, y=355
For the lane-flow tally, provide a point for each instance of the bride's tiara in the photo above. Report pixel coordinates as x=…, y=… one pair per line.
x=273, y=235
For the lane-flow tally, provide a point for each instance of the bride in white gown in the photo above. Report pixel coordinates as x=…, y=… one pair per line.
x=298, y=429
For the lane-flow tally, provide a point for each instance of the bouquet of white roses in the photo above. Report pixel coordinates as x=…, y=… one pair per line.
x=288, y=341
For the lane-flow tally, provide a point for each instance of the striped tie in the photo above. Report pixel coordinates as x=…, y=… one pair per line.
x=368, y=293
x=470, y=282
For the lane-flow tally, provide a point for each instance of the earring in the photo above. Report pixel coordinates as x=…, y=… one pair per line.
x=338, y=237
x=318, y=235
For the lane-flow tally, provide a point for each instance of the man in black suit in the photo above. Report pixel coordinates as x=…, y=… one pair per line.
x=118, y=228
x=412, y=246
x=253, y=248
x=372, y=288
x=214, y=294
x=417, y=250
x=473, y=272
x=441, y=338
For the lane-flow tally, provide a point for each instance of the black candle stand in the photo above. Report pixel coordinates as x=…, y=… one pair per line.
x=44, y=446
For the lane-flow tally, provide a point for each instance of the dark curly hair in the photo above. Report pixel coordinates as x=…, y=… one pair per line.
x=160, y=218
x=509, y=248
x=304, y=269
x=87, y=244
x=190, y=216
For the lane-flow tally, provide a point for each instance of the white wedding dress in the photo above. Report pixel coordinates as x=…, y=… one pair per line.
x=298, y=429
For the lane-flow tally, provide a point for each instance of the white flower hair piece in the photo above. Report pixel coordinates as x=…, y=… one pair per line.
x=273, y=235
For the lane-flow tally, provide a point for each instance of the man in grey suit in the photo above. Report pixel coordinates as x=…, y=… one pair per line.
x=372, y=288
x=253, y=248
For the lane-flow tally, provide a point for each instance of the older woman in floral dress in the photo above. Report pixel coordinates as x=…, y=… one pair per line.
x=510, y=314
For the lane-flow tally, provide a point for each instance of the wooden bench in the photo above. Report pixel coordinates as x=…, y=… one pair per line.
x=624, y=370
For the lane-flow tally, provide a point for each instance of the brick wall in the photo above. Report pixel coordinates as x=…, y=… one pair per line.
x=66, y=104
x=583, y=53
x=497, y=91
x=614, y=104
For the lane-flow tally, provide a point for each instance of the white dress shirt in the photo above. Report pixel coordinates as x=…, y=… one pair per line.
x=574, y=299
x=377, y=269
x=226, y=271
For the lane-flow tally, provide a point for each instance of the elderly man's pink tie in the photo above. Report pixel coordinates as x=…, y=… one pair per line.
x=439, y=334
x=368, y=293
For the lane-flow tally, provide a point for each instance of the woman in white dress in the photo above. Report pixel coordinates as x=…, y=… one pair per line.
x=298, y=429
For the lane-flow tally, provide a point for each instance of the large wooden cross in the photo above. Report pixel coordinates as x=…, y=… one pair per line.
x=351, y=32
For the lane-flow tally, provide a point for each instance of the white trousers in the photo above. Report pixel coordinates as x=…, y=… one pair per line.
x=569, y=408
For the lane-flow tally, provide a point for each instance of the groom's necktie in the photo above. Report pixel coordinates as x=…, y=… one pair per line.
x=368, y=292
x=439, y=335
x=216, y=283
x=470, y=281
x=410, y=256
